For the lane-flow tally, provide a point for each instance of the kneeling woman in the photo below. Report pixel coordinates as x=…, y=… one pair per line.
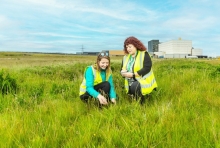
x=137, y=70
x=98, y=81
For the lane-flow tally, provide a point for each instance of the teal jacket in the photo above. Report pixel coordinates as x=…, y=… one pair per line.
x=90, y=87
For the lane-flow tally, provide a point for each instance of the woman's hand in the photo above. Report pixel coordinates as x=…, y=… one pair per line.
x=113, y=101
x=123, y=72
x=127, y=74
x=102, y=99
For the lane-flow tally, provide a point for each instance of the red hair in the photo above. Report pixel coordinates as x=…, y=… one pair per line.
x=134, y=41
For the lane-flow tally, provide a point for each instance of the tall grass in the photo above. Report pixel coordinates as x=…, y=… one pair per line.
x=46, y=111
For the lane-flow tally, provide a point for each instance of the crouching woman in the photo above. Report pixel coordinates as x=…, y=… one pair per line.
x=137, y=70
x=98, y=81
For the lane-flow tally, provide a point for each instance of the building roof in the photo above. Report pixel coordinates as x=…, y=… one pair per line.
x=116, y=52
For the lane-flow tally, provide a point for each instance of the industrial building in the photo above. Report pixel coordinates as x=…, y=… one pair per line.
x=197, y=52
x=153, y=46
x=116, y=52
x=87, y=53
x=177, y=49
x=171, y=49
x=110, y=53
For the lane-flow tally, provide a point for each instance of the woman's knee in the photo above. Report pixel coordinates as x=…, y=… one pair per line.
x=106, y=84
x=135, y=88
x=84, y=98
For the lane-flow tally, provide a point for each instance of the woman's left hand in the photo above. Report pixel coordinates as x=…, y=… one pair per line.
x=113, y=101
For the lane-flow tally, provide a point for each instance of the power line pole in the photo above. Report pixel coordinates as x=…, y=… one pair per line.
x=82, y=49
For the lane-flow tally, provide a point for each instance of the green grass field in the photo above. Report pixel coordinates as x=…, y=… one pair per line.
x=40, y=107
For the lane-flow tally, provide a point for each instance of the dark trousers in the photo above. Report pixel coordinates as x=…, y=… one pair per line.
x=135, y=91
x=103, y=88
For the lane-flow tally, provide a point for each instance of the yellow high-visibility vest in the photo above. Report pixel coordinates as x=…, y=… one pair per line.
x=147, y=82
x=97, y=79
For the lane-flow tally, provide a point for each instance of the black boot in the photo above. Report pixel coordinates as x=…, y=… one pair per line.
x=143, y=99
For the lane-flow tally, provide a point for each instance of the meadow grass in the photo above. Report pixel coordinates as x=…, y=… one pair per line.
x=44, y=110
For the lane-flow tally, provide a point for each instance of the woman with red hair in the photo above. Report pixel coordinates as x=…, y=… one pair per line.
x=137, y=69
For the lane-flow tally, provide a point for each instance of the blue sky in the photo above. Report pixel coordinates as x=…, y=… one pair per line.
x=67, y=25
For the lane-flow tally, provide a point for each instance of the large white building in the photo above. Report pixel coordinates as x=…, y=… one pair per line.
x=176, y=48
x=197, y=52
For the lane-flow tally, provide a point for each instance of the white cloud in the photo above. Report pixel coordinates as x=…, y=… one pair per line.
x=48, y=34
x=189, y=23
x=6, y=22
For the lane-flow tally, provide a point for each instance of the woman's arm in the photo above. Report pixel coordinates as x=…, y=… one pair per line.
x=146, y=65
x=89, y=83
x=112, y=93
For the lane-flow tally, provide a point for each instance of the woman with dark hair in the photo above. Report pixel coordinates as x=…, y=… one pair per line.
x=137, y=69
x=98, y=82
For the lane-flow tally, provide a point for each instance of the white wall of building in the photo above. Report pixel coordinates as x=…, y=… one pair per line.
x=197, y=51
x=159, y=53
x=175, y=55
x=176, y=47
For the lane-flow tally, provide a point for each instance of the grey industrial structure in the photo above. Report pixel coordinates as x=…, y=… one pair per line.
x=153, y=46
x=87, y=53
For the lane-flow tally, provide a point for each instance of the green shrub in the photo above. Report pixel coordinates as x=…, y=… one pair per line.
x=216, y=72
x=8, y=84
